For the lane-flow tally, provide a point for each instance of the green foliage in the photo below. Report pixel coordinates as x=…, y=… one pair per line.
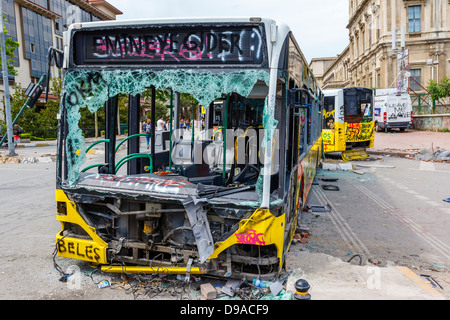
x=162, y=98
x=11, y=47
x=25, y=136
x=439, y=90
x=41, y=121
x=187, y=102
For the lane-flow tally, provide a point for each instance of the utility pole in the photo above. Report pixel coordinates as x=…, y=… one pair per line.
x=6, y=86
x=402, y=60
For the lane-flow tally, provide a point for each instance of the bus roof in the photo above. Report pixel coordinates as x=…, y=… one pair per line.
x=134, y=22
x=331, y=92
x=275, y=32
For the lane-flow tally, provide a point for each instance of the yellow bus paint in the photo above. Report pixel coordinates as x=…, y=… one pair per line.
x=91, y=250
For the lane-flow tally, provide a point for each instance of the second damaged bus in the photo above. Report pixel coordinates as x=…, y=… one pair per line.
x=348, y=122
x=226, y=205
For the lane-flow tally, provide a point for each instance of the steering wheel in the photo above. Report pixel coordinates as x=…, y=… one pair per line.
x=246, y=175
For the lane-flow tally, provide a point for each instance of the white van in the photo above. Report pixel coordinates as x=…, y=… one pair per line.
x=392, y=110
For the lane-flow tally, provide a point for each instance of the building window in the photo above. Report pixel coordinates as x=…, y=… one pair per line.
x=364, y=40
x=59, y=43
x=357, y=47
x=416, y=74
x=414, y=18
x=378, y=27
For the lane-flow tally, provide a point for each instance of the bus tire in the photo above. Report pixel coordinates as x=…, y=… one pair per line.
x=377, y=127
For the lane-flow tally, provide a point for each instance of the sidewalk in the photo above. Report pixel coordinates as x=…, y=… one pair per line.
x=410, y=142
x=36, y=144
x=24, y=157
x=54, y=142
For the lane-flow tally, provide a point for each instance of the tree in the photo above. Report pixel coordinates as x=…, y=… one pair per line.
x=187, y=102
x=162, y=99
x=11, y=47
x=439, y=90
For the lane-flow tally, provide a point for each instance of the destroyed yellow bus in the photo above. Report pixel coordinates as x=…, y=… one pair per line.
x=227, y=206
x=348, y=122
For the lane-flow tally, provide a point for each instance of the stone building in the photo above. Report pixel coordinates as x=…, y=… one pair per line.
x=381, y=30
x=320, y=66
x=39, y=24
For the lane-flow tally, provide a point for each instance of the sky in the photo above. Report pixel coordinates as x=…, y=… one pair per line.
x=318, y=26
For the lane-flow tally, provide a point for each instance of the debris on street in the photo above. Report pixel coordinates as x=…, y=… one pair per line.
x=431, y=281
x=164, y=286
x=437, y=155
x=330, y=187
x=208, y=291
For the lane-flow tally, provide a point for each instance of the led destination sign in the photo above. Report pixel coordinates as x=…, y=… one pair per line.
x=222, y=45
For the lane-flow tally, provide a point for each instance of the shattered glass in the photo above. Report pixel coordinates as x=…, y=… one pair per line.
x=92, y=88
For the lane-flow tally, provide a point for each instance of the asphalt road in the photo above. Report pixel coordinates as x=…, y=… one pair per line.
x=392, y=214
x=394, y=197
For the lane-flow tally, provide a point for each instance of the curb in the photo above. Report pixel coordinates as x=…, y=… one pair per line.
x=392, y=153
x=37, y=144
x=418, y=281
x=23, y=160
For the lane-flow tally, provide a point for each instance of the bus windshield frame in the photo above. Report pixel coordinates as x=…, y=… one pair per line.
x=133, y=59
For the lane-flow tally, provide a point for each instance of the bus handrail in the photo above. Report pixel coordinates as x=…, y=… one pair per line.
x=129, y=137
x=89, y=148
x=97, y=142
x=291, y=97
x=92, y=166
x=135, y=156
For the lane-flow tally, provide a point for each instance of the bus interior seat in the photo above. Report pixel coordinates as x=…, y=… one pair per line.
x=196, y=172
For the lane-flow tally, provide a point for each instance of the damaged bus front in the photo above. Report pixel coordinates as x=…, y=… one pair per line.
x=224, y=202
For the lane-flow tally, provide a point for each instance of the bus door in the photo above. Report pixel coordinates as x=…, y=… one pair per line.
x=333, y=132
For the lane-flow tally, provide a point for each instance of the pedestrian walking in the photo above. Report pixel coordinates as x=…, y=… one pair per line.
x=148, y=130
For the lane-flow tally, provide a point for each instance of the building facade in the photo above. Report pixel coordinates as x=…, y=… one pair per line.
x=38, y=25
x=380, y=31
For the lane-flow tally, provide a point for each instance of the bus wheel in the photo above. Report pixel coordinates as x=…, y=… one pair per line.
x=377, y=127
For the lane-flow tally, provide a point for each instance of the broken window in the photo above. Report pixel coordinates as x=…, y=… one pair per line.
x=93, y=88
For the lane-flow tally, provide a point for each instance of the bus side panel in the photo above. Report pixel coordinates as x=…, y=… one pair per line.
x=334, y=140
x=262, y=228
x=309, y=165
